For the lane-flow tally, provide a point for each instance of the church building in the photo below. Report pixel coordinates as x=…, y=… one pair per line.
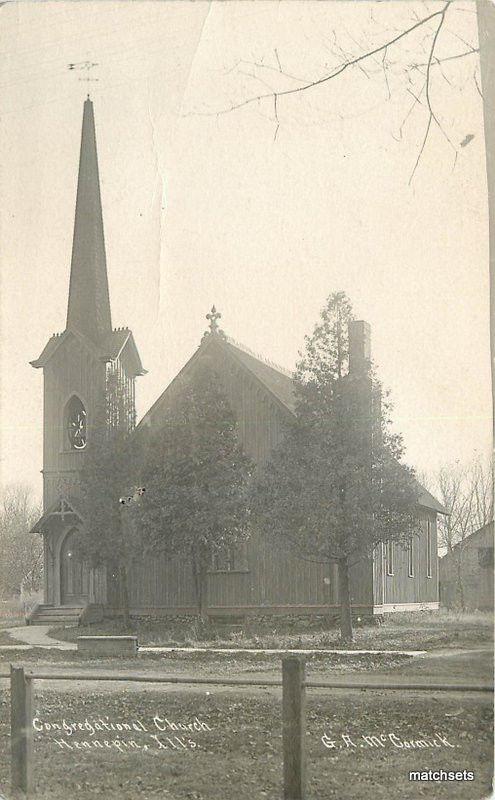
x=257, y=577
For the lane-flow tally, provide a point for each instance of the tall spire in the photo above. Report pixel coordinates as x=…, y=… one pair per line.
x=89, y=305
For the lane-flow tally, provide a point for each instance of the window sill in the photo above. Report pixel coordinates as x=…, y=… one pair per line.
x=69, y=451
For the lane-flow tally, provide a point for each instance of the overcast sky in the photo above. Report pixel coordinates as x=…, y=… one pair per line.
x=203, y=207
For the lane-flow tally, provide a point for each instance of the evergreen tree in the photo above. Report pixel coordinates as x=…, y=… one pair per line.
x=336, y=486
x=196, y=477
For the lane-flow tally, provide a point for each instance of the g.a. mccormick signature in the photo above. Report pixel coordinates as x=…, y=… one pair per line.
x=346, y=741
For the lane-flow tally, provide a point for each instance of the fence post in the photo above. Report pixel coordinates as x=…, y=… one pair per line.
x=21, y=730
x=294, y=727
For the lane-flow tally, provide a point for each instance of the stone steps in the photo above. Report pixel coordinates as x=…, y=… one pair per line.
x=56, y=615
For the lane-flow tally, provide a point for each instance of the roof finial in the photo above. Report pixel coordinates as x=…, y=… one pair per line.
x=214, y=316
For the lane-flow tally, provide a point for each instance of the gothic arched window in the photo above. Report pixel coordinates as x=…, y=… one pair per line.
x=76, y=424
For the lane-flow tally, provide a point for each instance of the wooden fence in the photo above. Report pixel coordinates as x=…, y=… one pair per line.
x=294, y=685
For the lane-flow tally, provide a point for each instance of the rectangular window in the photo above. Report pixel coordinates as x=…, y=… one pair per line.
x=410, y=557
x=428, y=548
x=389, y=557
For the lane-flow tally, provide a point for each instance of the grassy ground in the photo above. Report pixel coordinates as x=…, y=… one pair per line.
x=240, y=755
x=209, y=663
x=11, y=614
x=463, y=666
x=5, y=638
x=405, y=631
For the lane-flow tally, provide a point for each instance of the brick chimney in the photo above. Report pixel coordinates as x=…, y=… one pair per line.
x=359, y=346
x=369, y=401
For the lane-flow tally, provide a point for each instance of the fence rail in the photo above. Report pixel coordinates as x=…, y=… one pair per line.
x=293, y=683
x=140, y=678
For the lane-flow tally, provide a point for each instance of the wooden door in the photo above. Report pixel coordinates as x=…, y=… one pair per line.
x=74, y=573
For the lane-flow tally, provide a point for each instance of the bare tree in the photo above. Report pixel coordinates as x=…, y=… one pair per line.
x=431, y=35
x=382, y=53
x=21, y=552
x=467, y=494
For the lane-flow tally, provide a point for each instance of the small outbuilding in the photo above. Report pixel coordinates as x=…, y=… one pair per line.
x=466, y=572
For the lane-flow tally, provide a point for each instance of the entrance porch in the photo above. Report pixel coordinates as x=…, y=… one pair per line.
x=70, y=582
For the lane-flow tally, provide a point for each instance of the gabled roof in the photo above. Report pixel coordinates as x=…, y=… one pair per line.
x=54, y=343
x=427, y=500
x=276, y=380
x=471, y=537
x=48, y=350
x=62, y=509
x=108, y=348
x=113, y=345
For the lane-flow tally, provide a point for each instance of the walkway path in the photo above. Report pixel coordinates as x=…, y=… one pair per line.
x=454, y=666
x=279, y=651
x=37, y=636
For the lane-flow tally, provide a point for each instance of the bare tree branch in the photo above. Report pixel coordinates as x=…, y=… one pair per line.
x=421, y=149
x=276, y=117
x=260, y=65
x=348, y=61
x=431, y=115
x=338, y=71
x=437, y=61
x=385, y=73
x=467, y=493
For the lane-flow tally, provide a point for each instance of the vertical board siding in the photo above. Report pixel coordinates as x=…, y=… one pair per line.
x=378, y=575
x=160, y=582
x=400, y=587
x=276, y=577
x=73, y=370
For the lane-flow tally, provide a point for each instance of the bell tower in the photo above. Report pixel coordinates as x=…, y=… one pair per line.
x=78, y=366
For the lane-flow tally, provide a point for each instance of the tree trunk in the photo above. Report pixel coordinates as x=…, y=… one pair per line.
x=124, y=595
x=200, y=578
x=124, y=590
x=459, y=584
x=203, y=611
x=329, y=582
x=345, y=600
